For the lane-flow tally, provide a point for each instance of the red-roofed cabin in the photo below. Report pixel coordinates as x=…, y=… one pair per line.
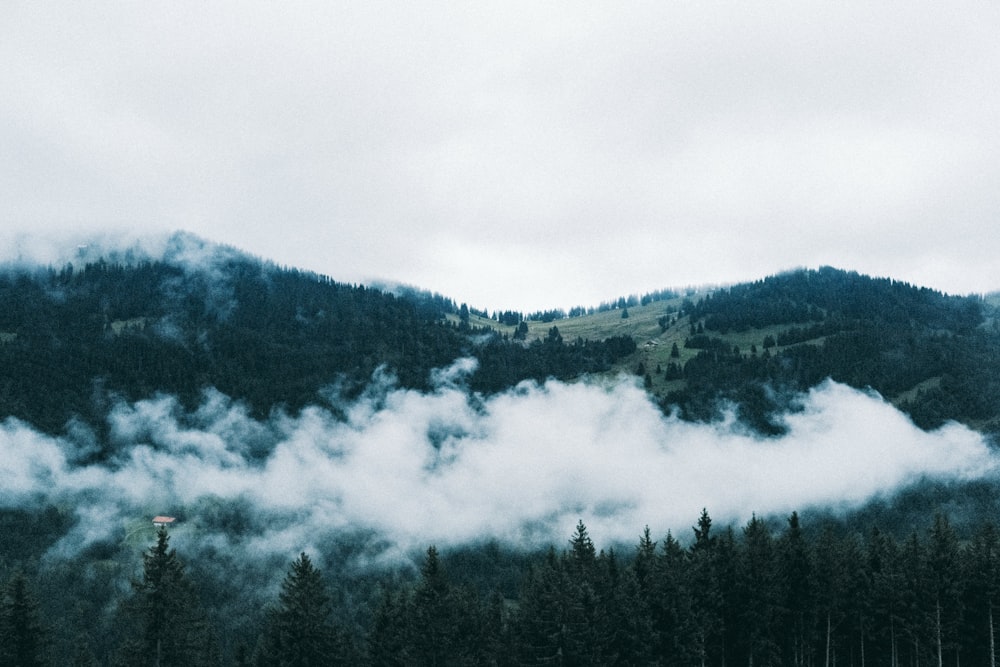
x=162, y=521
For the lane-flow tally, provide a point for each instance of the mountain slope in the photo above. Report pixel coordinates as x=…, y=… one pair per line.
x=757, y=345
x=74, y=340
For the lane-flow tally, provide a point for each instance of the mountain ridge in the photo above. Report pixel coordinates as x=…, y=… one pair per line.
x=126, y=325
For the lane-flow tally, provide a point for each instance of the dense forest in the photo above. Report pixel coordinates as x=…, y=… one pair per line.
x=764, y=594
x=940, y=353
x=894, y=583
x=74, y=339
x=280, y=339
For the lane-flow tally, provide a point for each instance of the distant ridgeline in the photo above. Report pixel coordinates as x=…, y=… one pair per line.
x=72, y=340
x=75, y=339
x=936, y=356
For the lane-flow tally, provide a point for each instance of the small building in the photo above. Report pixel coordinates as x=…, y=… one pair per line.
x=163, y=521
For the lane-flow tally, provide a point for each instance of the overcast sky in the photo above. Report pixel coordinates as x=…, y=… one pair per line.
x=517, y=155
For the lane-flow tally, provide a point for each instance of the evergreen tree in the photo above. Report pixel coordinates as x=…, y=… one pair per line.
x=299, y=632
x=22, y=637
x=671, y=612
x=943, y=569
x=543, y=614
x=758, y=591
x=706, y=598
x=914, y=611
x=982, y=591
x=434, y=623
x=886, y=597
x=390, y=642
x=583, y=554
x=169, y=625
x=795, y=570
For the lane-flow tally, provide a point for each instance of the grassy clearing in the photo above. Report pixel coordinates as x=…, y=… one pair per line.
x=910, y=394
x=118, y=326
x=654, y=345
x=7, y=337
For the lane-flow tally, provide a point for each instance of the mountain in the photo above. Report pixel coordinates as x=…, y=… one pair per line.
x=757, y=345
x=73, y=339
x=278, y=416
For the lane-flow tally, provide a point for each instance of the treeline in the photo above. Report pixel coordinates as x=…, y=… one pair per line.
x=73, y=340
x=503, y=365
x=807, y=295
x=861, y=331
x=761, y=595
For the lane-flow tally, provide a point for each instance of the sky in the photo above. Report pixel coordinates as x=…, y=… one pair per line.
x=525, y=155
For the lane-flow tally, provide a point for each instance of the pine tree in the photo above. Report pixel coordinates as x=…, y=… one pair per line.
x=542, y=614
x=299, y=632
x=795, y=569
x=982, y=592
x=945, y=582
x=434, y=620
x=886, y=597
x=583, y=555
x=170, y=627
x=22, y=637
x=672, y=610
x=914, y=612
x=706, y=597
x=758, y=590
x=390, y=642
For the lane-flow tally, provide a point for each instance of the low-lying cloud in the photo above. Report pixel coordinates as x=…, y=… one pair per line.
x=412, y=468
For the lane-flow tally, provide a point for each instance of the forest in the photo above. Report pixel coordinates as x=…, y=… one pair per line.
x=768, y=593
x=279, y=339
x=940, y=353
x=95, y=358
x=271, y=337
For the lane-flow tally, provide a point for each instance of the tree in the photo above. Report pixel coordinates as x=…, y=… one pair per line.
x=795, y=569
x=757, y=587
x=22, y=637
x=169, y=626
x=542, y=626
x=982, y=589
x=671, y=609
x=435, y=618
x=299, y=632
x=886, y=597
x=706, y=598
x=944, y=573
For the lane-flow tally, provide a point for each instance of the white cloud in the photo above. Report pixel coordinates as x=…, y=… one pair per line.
x=523, y=466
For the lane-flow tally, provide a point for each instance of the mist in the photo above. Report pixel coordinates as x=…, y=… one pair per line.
x=407, y=469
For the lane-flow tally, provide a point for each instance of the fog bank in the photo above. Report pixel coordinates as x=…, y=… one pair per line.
x=410, y=469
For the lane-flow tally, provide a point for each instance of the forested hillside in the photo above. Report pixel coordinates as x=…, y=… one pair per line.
x=933, y=352
x=757, y=345
x=292, y=423
x=74, y=339
x=794, y=593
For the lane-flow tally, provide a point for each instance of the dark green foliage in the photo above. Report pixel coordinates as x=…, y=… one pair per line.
x=23, y=639
x=299, y=632
x=502, y=365
x=794, y=595
x=163, y=621
x=861, y=331
x=269, y=337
